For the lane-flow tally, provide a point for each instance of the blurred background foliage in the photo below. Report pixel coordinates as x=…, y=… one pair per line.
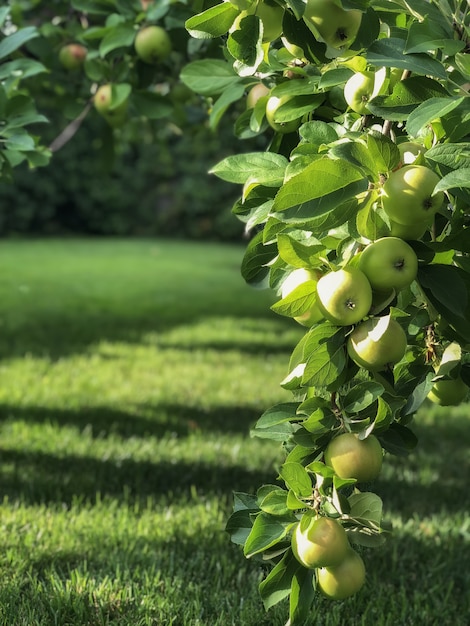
x=146, y=178
x=148, y=181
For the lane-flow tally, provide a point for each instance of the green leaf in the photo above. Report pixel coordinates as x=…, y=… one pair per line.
x=299, y=301
x=398, y=440
x=325, y=355
x=361, y=396
x=297, y=479
x=152, y=105
x=277, y=584
x=254, y=267
x=121, y=36
x=320, y=421
x=208, y=77
x=244, y=501
x=232, y=94
x=239, y=526
x=432, y=34
x=318, y=189
x=318, y=133
x=302, y=596
x=366, y=506
x=264, y=168
x=450, y=360
x=11, y=43
x=278, y=414
x=21, y=68
x=452, y=155
x=446, y=286
x=383, y=151
x=430, y=111
x=266, y=532
x=245, y=45
x=298, y=253
x=356, y=153
x=406, y=96
x=274, y=502
x=214, y=22
x=390, y=52
x=460, y=179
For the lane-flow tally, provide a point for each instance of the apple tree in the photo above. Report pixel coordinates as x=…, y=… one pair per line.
x=358, y=209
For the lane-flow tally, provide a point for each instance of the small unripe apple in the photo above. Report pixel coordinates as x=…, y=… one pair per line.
x=336, y=26
x=152, y=44
x=271, y=16
x=358, y=91
x=448, y=392
x=72, y=56
x=344, y=296
x=389, y=263
x=343, y=580
x=256, y=92
x=115, y=116
x=272, y=105
x=377, y=344
x=407, y=195
x=351, y=457
x=301, y=276
x=319, y=541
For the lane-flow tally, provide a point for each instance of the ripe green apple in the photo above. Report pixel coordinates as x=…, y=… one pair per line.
x=377, y=344
x=448, y=392
x=319, y=541
x=409, y=232
x=272, y=106
x=344, y=296
x=271, y=16
x=298, y=277
x=152, y=44
x=351, y=457
x=72, y=56
x=407, y=195
x=343, y=580
x=256, y=92
x=115, y=116
x=389, y=263
x=358, y=91
x=336, y=26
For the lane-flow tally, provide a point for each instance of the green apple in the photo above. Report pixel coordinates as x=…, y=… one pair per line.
x=272, y=106
x=301, y=276
x=377, y=344
x=271, y=16
x=319, y=541
x=407, y=195
x=409, y=232
x=389, y=263
x=343, y=580
x=152, y=44
x=256, y=92
x=448, y=392
x=344, y=296
x=72, y=56
x=336, y=26
x=409, y=152
x=351, y=457
x=358, y=91
x=103, y=101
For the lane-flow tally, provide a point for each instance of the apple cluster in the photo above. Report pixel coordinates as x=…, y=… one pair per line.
x=151, y=45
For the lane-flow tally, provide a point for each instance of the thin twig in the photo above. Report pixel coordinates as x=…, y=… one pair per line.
x=70, y=130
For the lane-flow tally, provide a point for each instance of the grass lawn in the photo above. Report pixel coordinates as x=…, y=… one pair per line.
x=130, y=374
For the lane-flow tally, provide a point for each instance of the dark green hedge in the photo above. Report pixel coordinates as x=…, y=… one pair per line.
x=155, y=182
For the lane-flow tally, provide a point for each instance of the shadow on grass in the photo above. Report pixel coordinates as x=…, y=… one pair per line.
x=147, y=421
x=40, y=477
